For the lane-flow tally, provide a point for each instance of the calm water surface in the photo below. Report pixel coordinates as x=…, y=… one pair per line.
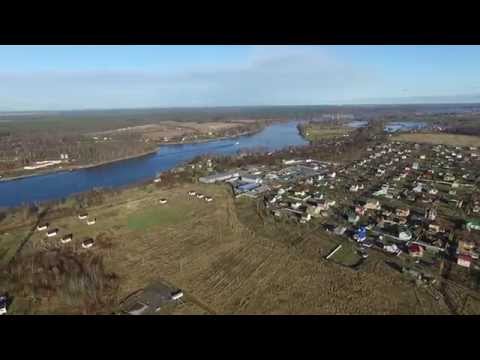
x=62, y=184
x=404, y=126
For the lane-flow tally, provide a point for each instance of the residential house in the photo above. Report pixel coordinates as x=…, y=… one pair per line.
x=372, y=204
x=464, y=260
x=415, y=250
x=402, y=212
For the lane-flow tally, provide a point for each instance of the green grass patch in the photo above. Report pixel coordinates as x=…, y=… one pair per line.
x=347, y=255
x=9, y=243
x=316, y=133
x=159, y=215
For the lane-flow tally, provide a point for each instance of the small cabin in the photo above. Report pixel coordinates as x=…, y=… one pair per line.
x=53, y=232
x=163, y=201
x=83, y=216
x=91, y=222
x=87, y=243
x=200, y=196
x=42, y=227
x=208, y=199
x=176, y=295
x=66, y=238
x=192, y=193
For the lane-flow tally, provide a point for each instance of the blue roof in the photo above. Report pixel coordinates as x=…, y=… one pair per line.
x=361, y=231
x=247, y=187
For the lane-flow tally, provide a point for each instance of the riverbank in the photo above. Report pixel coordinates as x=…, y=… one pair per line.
x=201, y=141
x=136, y=156
x=61, y=183
x=77, y=167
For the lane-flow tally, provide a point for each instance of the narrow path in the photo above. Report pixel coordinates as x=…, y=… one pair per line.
x=203, y=306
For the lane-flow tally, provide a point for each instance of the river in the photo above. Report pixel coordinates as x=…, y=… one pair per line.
x=58, y=185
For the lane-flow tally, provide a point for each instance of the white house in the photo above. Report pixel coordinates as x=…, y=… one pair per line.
x=52, y=233
x=296, y=205
x=404, y=235
x=42, y=227
x=354, y=188
x=66, y=239
x=87, y=243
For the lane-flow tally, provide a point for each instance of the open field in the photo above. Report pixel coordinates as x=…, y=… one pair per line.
x=176, y=129
x=347, y=255
x=91, y=138
x=319, y=131
x=225, y=258
x=439, y=138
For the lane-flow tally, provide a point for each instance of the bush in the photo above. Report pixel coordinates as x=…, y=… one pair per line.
x=73, y=283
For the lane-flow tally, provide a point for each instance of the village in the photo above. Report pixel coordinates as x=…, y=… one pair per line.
x=417, y=203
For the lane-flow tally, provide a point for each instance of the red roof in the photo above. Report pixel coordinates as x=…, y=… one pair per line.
x=415, y=248
x=465, y=257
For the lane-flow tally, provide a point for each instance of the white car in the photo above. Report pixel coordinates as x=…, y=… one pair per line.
x=367, y=244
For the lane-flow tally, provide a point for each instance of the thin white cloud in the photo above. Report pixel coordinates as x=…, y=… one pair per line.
x=270, y=75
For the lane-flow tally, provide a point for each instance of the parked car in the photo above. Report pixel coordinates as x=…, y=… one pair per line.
x=3, y=305
x=363, y=254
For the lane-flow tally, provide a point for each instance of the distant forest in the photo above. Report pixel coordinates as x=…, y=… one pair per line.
x=98, y=120
x=29, y=137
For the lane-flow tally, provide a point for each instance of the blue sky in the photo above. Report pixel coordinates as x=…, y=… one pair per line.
x=86, y=77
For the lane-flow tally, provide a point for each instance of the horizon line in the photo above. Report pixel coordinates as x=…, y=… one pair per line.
x=26, y=112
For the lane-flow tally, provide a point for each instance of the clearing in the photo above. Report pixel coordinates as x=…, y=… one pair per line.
x=325, y=131
x=173, y=129
x=223, y=255
x=445, y=139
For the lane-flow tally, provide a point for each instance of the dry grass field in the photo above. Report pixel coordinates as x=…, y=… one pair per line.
x=438, y=138
x=322, y=131
x=224, y=258
x=173, y=129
